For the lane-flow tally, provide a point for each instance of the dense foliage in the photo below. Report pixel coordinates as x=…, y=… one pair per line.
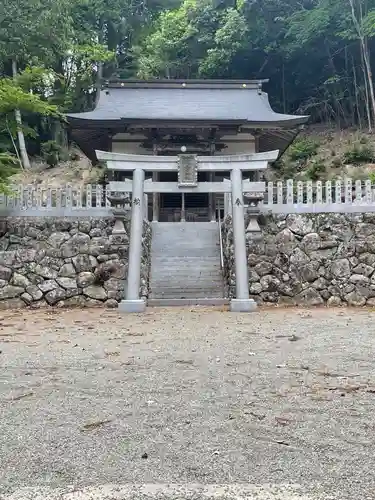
x=318, y=55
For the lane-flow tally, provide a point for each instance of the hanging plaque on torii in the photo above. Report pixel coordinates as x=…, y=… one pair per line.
x=187, y=171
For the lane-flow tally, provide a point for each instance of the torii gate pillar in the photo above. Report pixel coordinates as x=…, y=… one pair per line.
x=242, y=302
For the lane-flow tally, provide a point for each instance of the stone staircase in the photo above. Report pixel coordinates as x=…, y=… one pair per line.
x=185, y=264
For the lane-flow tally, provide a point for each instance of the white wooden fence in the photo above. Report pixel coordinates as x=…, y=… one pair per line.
x=35, y=200
x=280, y=197
x=314, y=197
x=65, y=201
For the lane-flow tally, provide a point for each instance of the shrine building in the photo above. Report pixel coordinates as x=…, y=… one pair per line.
x=185, y=154
x=184, y=117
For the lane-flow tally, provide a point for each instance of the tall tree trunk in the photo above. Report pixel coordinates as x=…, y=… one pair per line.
x=20, y=134
x=99, y=79
x=358, y=24
x=358, y=110
x=366, y=57
x=99, y=74
x=367, y=96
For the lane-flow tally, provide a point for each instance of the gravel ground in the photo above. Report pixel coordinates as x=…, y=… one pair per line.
x=281, y=397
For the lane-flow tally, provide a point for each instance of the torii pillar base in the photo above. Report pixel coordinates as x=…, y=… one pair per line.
x=132, y=306
x=243, y=305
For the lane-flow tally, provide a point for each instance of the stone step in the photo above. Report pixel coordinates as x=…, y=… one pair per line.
x=173, y=271
x=194, y=285
x=162, y=290
x=187, y=296
x=183, y=291
x=167, y=285
x=188, y=271
x=171, y=302
x=185, y=261
x=192, y=277
x=196, y=256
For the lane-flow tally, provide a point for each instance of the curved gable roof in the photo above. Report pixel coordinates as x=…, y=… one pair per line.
x=207, y=101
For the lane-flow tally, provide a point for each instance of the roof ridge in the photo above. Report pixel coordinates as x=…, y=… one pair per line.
x=210, y=84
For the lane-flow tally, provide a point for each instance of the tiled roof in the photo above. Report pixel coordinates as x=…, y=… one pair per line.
x=191, y=101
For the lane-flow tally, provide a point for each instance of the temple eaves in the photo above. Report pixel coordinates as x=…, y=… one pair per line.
x=178, y=103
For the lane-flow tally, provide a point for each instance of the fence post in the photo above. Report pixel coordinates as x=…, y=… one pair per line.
x=309, y=189
x=319, y=192
x=289, y=192
x=338, y=188
x=300, y=199
x=348, y=191
x=368, y=189
x=280, y=193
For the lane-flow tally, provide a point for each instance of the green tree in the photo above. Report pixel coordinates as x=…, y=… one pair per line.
x=31, y=31
x=14, y=97
x=199, y=38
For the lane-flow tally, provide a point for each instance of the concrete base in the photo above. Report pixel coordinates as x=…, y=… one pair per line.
x=243, y=305
x=186, y=302
x=119, y=227
x=132, y=306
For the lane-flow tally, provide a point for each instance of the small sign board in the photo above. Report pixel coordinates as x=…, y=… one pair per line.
x=187, y=171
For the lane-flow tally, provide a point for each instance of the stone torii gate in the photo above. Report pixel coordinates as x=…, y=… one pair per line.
x=187, y=168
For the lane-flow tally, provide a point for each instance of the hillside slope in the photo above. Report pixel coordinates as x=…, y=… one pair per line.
x=319, y=153
x=323, y=153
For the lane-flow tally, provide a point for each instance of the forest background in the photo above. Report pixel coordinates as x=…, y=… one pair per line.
x=317, y=54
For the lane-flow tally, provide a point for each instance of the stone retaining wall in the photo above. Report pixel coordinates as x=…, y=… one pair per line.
x=65, y=262
x=308, y=259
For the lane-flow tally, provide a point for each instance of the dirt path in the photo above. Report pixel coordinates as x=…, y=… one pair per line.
x=189, y=396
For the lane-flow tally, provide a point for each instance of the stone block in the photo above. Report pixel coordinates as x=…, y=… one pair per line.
x=340, y=268
x=57, y=239
x=354, y=298
x=300, y=224
x=132, y=306
x=67, y=270
x=5, y=273
x=46, y=271
x=111, y=304
x=243, y=305
x=35, y=292
x=309, y=297
x=47, y=286
x=11, y=304
x=67, y=283
x=95, y=292
x=58, y=294
x=85, y=279
x=84, y=263
x=10, y=292
x=27, y=298
x=84, y=226
x=20, y=280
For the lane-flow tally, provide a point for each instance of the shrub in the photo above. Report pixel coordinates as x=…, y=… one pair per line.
x=372, y=177
x=74, y=156
x=8, y=164
x=336, y=162
x=315, y=170
x=51, y=152
x=359, y=154
x=303, y=149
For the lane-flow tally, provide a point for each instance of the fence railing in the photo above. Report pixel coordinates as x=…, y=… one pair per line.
x=280, y=197
x=330, y=196
x=65, y=200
